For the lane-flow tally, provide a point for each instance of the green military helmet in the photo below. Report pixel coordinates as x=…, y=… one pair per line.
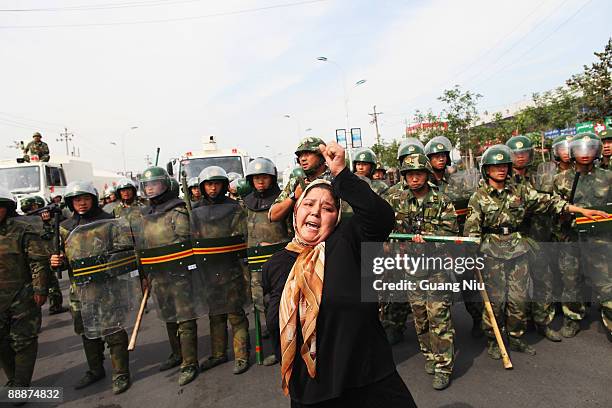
x=410, y=145
x=559, y=143
x=605, y=135
x=298, y=172
x=26, y=203
x=174, y=187
x=496, y=154
x=126, y=183
x=521, y=144
x=193, y=182
x=150, y=177
x=365, y=156
x=585, y=144
x=79, y=188
x=109, y=191
x=309, y=144
x=7, y=200
x=261, y=165
x=415, y=162
x=242, y=187
x=380, y=167
x=438, y=144
x=37, y=134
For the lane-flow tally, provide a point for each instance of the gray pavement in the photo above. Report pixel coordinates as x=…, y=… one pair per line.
x=574, y=373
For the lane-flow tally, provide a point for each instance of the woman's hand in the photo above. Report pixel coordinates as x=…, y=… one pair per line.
x=40, y=300
x=334, y=157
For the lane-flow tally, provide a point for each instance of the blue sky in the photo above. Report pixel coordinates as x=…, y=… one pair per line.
x=236, y=76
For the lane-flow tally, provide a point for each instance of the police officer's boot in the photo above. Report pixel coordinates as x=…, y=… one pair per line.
x=548, y=332
x=94, y=353
x=570, y=328
x=7, y=360
x=120, y=358
x=174, y=360
x=242, y=343
x=517, y=344
x=25, y=358
x=188, y=334
x=218, y=340
x=440, y=381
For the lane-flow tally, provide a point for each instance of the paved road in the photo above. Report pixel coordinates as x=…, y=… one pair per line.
x=574, y=373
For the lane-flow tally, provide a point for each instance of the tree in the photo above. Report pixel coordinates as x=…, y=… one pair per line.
x=595, y=85
x=461, y=114
x=386, y=153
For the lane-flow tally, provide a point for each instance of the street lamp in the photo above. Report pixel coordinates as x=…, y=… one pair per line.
x=123, y=147
x=346, y=95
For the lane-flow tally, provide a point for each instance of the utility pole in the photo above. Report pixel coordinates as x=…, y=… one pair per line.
x=65, y=137
x=375, y=122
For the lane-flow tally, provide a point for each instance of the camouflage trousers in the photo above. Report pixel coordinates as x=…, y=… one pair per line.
x=507, y=283
x=433, y=324
x=240, y=329
x=183, y=337
x=117, y=343
x=257, y=291
x=19, y=338
x=592, y=258
x=394, y=315
x=542, y=308
x=55, y=294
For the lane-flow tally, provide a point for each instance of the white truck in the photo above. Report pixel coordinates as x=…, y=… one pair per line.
x=49, y=179
x=231, y=160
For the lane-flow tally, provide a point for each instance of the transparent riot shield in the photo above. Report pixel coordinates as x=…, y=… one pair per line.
x=219, y=244
x=105, y=275
x=461, y=187
x=165, y=255
x=543, y=179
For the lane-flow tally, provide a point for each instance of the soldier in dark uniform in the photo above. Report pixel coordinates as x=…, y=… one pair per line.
x=82, y=198
x=24, y=271
x=262, y=175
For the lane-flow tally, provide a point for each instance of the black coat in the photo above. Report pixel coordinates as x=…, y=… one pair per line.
x=352, y=349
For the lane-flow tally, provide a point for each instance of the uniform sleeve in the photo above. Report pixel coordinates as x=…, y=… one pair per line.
x=541, y=203
x=44, y=149
x=448, y=220
x=286, y=191
x=37, y=253
x=239, y=223
x=474, y=219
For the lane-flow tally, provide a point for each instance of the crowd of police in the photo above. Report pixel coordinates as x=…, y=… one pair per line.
x=202, y=255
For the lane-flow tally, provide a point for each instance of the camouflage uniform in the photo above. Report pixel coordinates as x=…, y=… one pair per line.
x=496, y=217
x=127, y=210
x=164, y=224
x=56, y=299
x=24, y=271
x=36, y=148
x=593, y=190
x=433, y=215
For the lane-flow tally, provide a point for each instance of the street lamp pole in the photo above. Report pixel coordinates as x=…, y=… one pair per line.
x=123, y=147
x=346, y=101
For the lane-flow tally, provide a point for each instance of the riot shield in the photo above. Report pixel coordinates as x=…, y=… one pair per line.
x=461, y=187
x=543, y=179
x=165, y=254
x=104, y=272
x=220, y=247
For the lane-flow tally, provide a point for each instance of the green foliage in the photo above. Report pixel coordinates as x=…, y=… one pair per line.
x=595, y=85
x=386, y=153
